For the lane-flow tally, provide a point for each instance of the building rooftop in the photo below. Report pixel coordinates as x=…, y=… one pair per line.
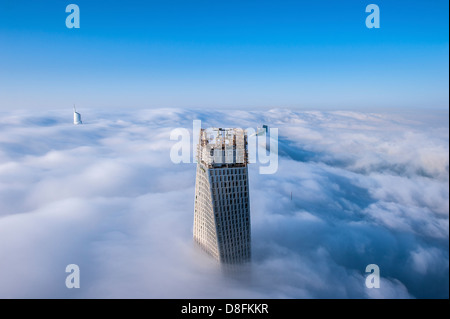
x=223, y=147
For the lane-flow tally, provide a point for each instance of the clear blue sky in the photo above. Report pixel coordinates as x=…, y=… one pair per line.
x=240, y=54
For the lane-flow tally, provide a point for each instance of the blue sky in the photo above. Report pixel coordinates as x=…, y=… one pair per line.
x=238, y=54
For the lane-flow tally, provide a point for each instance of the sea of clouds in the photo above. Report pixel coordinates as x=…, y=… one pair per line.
x=367, y=188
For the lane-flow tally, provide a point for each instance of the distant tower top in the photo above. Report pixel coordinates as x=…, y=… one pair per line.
x=76, y=116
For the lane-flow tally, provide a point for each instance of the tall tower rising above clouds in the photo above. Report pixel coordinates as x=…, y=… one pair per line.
x=222, y=207
x=76, y=117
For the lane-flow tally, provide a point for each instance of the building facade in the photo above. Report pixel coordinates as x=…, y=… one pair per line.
x=222, y=205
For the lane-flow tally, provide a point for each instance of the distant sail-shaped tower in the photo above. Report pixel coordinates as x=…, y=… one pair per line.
x=76, y=117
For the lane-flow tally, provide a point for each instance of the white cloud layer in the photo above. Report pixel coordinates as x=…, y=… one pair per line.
x=367, y=188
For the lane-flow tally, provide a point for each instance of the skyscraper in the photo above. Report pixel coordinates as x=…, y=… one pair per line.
x=222, y=208
x=76, y=116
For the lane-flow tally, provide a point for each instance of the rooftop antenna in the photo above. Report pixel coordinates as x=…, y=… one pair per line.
x=76, y=116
